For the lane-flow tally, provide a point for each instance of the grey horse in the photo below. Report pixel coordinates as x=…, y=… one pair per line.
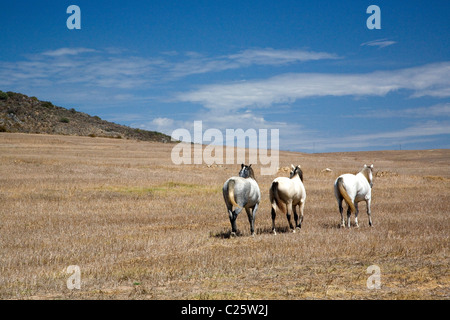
x=242, y=193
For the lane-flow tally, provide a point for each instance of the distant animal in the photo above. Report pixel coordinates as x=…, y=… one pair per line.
x=242, y=192
x=353, y=189
x=286, y=194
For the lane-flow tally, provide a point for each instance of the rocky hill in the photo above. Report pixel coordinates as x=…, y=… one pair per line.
x=20, y=113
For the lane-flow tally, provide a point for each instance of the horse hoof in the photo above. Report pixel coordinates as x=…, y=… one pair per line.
x=274, y=232
x=292, y=230
x=233, y=235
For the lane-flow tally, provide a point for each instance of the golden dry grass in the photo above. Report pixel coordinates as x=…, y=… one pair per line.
x=140, y=227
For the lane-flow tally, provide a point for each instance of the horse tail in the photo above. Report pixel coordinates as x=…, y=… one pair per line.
x=275, y=197
x=231, y=193
x=344, y=194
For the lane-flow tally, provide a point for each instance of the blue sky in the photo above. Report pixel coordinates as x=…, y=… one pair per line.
x=313, y=70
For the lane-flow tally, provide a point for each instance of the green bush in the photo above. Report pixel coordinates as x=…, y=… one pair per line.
x=47, y=104
x=64, y=120
x=3, y=95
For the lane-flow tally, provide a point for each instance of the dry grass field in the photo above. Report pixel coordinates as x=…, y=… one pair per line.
x=140, y=227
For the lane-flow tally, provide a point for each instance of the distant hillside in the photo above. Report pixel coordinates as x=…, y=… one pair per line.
x=20, y=113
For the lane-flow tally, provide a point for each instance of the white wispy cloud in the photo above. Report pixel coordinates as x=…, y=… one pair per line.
x=163, y=123
x=271, y=56
x=415, y=133
x=437, y=110
x=70, y=66
x=380, y=43
x=115, y=68
x=197, y=63
x=294, y=136
x=238, y=104
x=247, y=122
x=430, y=79
x=67, y=51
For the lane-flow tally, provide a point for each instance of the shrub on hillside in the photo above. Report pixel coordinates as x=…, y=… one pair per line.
x=47, y=104
x=13, y=95
x=3, y=95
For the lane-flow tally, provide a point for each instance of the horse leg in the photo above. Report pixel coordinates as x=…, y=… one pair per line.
x=301, y=207
x=297, y=223
x=254, y=210
x=288, y=215
x=349, y=213
x=251, y=218
x=298, y=219
x=233, y=215
x=274, y=214
x=356, y=215
x=233, y=222
x=369, y=212
x=341, y=211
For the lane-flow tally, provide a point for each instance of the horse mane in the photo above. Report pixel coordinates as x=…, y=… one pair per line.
x=251, y=173
x=299, y=172
x=365, y=172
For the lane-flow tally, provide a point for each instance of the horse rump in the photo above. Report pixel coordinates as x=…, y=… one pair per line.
x=275, y=199
x=341, y=192
x=230, y=194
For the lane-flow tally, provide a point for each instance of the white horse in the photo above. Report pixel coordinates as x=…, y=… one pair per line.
x=286, y=194
x=242, y=192
x=353, y=189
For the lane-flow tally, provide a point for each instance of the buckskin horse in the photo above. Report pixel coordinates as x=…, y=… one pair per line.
x=286, y=194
